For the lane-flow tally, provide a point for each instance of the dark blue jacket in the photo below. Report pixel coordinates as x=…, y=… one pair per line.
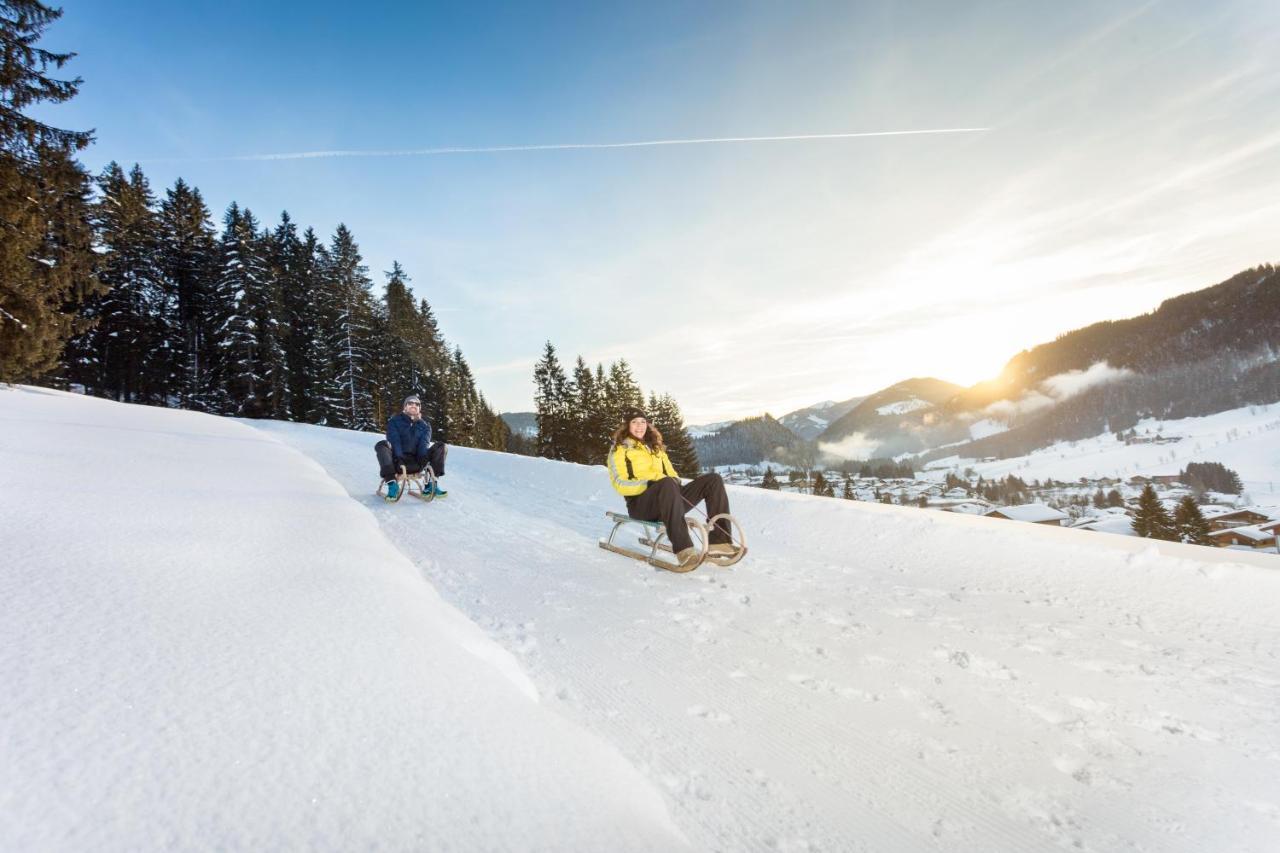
x=408, y=437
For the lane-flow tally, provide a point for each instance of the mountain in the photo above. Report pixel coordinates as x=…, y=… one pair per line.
x=1199, y=353
x=523, y=423
x=279, y=660
x=704, y=430
x=809, y=422
x=891, y=421
x=745, y=442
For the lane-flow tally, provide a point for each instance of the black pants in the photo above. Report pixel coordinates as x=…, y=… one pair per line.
x=387, y=463
x=666, y=501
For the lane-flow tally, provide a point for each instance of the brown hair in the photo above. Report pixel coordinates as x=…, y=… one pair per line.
x=652, y=437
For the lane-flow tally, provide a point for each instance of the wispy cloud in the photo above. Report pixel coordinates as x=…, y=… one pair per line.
x=574, y=146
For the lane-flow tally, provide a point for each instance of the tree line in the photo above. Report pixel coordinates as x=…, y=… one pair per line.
x=577, y=412
x=105, y=288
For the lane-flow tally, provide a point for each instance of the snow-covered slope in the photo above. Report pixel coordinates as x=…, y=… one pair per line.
x=1247, y=440
x=870, y=678
x=206, y=644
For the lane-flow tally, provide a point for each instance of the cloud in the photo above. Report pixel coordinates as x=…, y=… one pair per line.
x=855, y=446
x=1073, y=382
x=1056, y=389
x=573, y=146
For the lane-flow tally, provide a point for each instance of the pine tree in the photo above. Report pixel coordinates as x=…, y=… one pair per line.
x=188, y=265
x=665, y=413
x=130, y=354
x=1189, y=523
x=622, y=393
x=348, y=311
x=1115, y=499
x=820, y=486
x=461, y=416
x=249, y=361
x=46, y=256
x=289, y=267
x=848, y=493
x=432, y=354
x=589, y=444
x=553, y=404
x=1099, y=500
x=770, y=481
x=1152, y=520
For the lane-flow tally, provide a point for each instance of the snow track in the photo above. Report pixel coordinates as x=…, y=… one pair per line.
x=874, y=678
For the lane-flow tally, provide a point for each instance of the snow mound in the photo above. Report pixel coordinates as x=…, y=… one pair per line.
x=206, y=643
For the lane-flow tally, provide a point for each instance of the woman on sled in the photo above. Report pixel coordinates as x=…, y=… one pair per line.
x=643, y=474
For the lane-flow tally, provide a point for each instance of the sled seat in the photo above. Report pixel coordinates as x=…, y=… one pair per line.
x=622, y=518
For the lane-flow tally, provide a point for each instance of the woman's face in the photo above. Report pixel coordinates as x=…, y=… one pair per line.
x=638, y=427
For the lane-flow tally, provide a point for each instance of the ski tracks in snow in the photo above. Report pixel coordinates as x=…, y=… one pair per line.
x=862, y=681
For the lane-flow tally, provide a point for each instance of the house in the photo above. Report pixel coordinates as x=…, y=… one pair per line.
x=1245, y=537
x=967, y=508
x=1121, y=525
x=1035, y=513
x=1165, y=479
x=1237, y=518
x=957, y=492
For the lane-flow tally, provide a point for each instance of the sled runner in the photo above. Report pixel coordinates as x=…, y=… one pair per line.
x=655, y=549
x=421, y=485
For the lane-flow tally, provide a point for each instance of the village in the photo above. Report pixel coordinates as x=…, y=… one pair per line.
x=1099, y=505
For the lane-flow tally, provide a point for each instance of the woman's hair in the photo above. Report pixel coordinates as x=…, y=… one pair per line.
x=652, y=437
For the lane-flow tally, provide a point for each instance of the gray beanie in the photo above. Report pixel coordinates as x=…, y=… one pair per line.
x=412, y=398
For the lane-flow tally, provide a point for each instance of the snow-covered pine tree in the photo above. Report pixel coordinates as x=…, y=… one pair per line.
x=350, y=310
x=1151, y=519
x=432, y=354
x=848, y=493
x=1190, y=524
x=249, y=361
x=665, y=412
x=770, y=480
x=188, y=266
x=288, y=264
x=46, y=256
x=399, y=368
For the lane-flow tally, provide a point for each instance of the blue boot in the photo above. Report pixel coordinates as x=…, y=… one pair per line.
x=436, y=491
x=393, y=490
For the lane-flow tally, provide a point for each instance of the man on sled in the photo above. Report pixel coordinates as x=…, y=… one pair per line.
x=408, y=449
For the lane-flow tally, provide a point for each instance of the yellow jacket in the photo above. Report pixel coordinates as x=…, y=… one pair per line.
x=632, y=465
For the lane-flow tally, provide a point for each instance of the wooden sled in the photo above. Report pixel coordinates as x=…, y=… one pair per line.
x=421, y=485
x=660, y=554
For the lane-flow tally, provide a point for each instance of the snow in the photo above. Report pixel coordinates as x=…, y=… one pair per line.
x=1246, y=440
x=986, y=427
x=705, y=430
x=217, y=636
x=902, y=407
x=1033, y=512
x=207, y=644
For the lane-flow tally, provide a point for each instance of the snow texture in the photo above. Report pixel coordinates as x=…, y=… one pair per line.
x=216, y=635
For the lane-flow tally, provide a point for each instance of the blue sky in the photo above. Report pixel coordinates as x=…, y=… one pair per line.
x=1132, y=153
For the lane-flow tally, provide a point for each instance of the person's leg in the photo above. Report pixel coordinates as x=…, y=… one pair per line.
x=435, y=455
x=710, y=488
x=386, y=462
x=662, y=502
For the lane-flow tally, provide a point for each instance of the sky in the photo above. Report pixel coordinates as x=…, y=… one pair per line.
x=1116, y=154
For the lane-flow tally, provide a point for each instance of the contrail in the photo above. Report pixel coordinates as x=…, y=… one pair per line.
x=573, y=146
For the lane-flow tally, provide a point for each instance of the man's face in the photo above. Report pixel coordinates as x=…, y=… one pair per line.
x=413, y=410
x=638, y=427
